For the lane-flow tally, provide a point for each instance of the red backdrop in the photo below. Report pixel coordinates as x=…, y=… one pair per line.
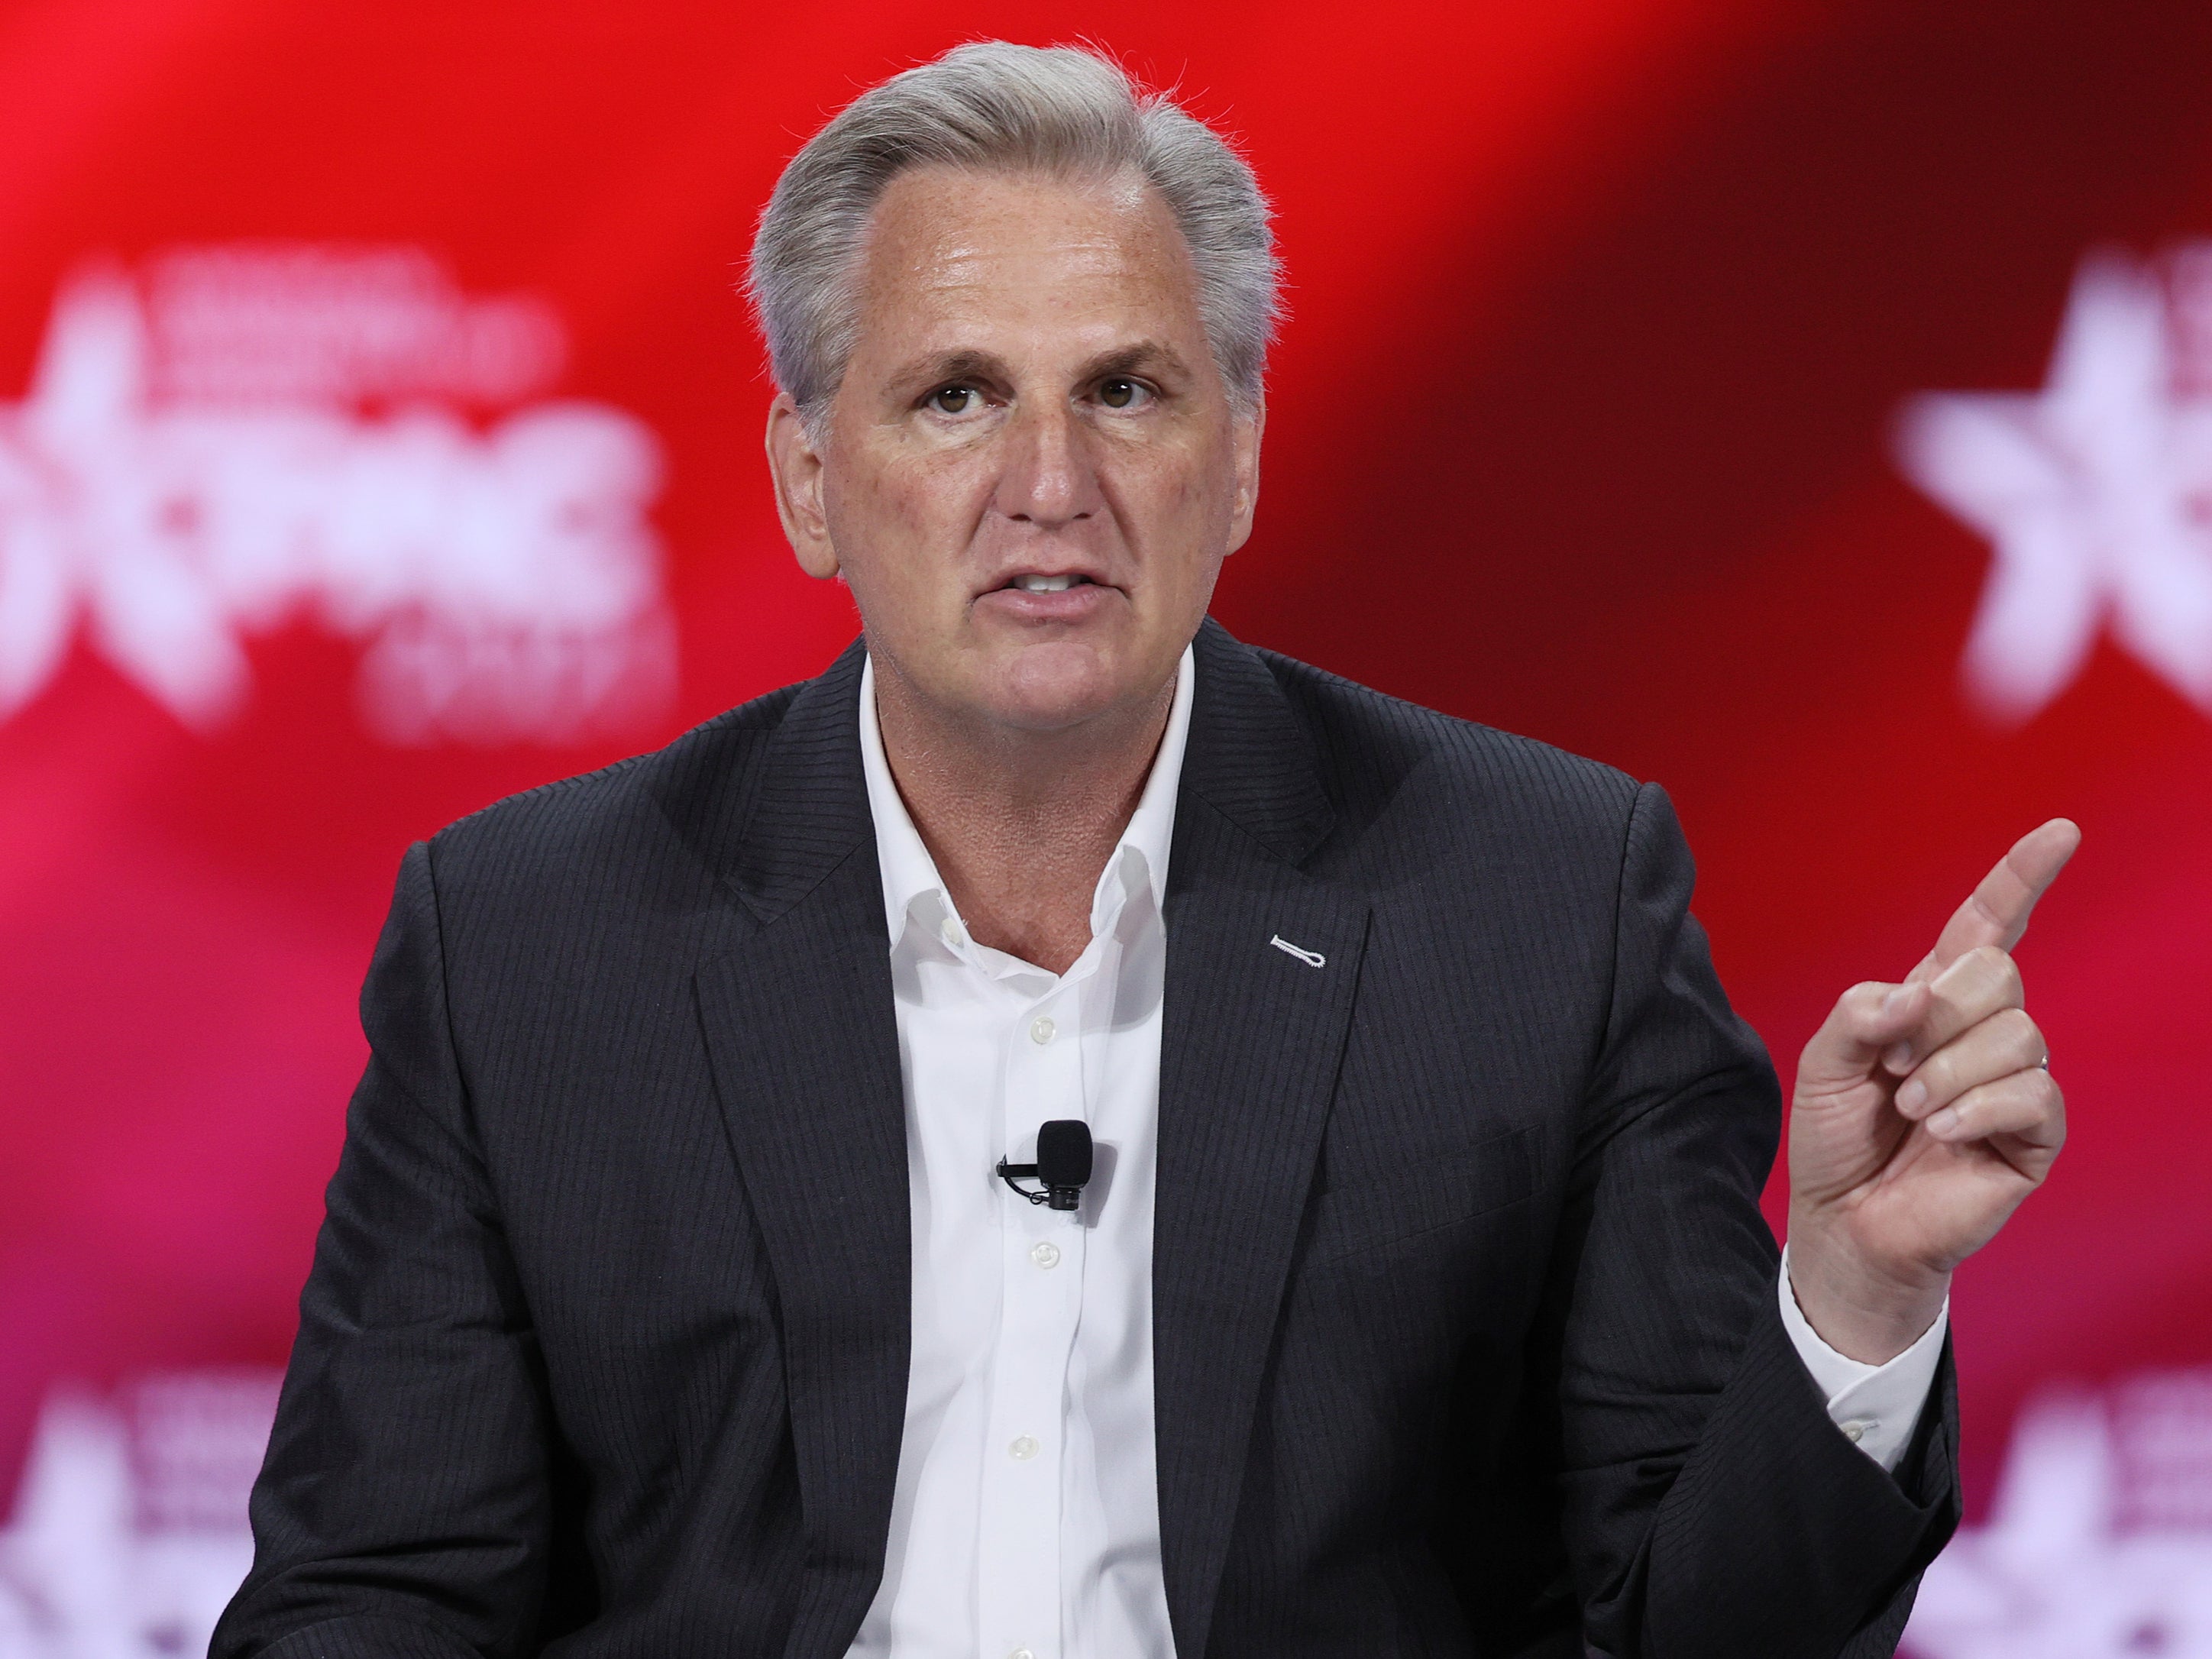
x=1584, y=424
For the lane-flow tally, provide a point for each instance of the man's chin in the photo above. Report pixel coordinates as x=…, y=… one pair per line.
x=1058, y=684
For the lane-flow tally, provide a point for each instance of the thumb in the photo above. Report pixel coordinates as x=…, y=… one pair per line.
x=1866, y=1020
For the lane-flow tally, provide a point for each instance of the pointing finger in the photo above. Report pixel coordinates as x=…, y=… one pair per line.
x=1997, y=911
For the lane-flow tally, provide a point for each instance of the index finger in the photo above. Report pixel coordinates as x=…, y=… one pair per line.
x=1996, y=912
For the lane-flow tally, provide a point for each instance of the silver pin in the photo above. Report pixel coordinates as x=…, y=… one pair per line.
x=1312, y=958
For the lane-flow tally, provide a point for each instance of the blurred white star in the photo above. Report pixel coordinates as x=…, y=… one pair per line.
x=2100, y=1543
x=2095, y=493
x=128, y=1532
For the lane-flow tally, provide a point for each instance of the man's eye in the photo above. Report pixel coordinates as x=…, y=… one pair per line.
x=1120, y=393
x=955, y=400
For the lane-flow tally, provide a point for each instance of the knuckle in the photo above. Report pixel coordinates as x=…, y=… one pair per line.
x=1987, y=978
x=2010, y=987
x=1988, y=959
x=1861, y=1005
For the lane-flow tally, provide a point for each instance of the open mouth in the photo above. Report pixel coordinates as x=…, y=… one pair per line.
x=1048, y=584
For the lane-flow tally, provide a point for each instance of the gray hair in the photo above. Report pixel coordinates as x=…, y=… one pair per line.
x=991, y=105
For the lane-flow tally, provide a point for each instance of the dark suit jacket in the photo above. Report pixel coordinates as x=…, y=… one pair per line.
x=1465, y=1317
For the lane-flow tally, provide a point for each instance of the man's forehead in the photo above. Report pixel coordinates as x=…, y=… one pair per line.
x=961, y=258
x=930, y=192
x=955, y=234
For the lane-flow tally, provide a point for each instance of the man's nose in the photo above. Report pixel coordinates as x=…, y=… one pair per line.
x=1051, y=479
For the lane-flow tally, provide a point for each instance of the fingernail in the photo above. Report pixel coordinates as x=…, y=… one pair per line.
x=1896, y=999
x=1898, y=1057
x=1912, y=1097
x=1944, y=1122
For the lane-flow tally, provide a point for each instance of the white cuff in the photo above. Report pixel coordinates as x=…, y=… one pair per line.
x=1876, y=1406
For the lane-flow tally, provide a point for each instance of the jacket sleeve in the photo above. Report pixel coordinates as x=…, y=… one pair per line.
x=404, y=1506
x=1711, y=1509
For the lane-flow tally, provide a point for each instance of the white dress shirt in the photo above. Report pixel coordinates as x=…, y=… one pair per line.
x=1025, y=1520
x=1026, y=1517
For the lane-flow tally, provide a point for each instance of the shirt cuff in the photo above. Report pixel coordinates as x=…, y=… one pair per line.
x=1876, y=1406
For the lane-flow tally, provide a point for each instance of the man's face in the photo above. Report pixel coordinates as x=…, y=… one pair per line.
x=1031, y=470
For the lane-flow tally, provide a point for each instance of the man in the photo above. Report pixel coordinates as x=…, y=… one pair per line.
x=1416, y=1302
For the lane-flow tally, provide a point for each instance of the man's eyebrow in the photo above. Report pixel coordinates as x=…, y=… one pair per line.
x=965, y=365
x=970, y=364
x=1133, y=359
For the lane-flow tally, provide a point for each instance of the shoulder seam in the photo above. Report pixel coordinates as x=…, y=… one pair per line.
x=744, y=715
x=1276, y=661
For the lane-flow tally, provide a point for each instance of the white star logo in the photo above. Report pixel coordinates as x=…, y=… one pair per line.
x=2095, y=493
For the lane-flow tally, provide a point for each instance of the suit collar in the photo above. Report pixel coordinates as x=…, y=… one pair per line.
x=1247, y=753
x=808, y=807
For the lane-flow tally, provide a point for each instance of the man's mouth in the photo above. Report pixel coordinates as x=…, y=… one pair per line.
x=1048, y=583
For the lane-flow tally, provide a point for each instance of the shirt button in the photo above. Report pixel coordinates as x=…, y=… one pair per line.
x=1041, y=1029
x=951, y=932
x=1023, y=1449
x=1855, y=1430
x=1021, y=1653
x=1045, y=1256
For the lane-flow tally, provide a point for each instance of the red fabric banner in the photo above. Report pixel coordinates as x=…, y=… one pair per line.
x=1808, y=406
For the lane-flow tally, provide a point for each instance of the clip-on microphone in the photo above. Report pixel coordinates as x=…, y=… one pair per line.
x=1063, y=1164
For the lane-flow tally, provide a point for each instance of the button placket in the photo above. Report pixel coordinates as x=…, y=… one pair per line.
x=1018, y=1566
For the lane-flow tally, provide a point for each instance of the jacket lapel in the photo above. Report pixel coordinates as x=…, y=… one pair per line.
x=800, y=1027
x=1251, y=1040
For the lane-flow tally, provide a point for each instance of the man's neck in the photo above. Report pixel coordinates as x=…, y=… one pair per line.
x=1020, y=825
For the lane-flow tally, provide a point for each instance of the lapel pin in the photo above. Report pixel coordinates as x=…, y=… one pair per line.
x=1312, y=958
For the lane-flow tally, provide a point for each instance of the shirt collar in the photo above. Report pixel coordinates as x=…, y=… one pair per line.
x=912, y=887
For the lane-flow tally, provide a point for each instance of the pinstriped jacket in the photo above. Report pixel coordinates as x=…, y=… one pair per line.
x=1466, y=1340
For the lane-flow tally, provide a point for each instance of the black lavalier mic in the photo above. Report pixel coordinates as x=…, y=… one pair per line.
x=1062, y=1166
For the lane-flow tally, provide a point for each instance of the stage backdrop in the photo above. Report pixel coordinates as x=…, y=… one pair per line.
x=1806, y=405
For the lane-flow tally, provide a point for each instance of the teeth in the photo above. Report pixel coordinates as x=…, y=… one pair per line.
x=1046, y=584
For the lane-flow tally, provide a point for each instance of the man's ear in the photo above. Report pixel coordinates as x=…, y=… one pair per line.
x=1246, y=433
x=795, y=465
